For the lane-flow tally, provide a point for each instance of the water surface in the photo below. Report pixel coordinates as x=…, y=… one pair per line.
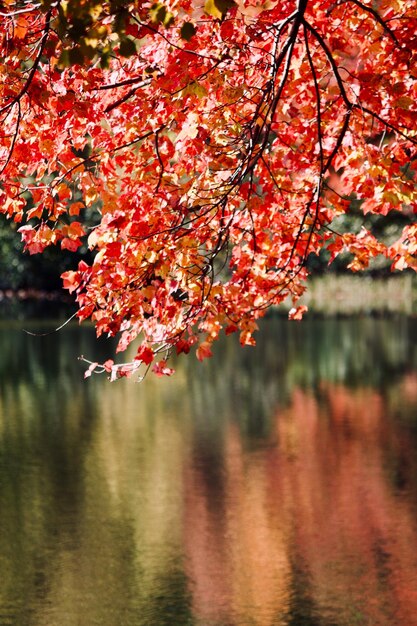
x=266, y=486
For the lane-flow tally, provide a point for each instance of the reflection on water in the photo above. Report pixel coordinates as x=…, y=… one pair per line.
x=268, y=486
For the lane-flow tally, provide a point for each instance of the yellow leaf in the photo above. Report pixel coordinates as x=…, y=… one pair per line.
x=404, y=102
x=90, y=196
x=218, y=8
x=194, y=88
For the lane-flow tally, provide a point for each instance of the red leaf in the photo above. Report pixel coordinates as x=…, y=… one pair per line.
x=70, y=244
x=202, y=206
x=161, y=369
x=297, y=313
x=204, y=351
x=83, y=267
x=144, y=354
x=182, y=346
x=71, y=280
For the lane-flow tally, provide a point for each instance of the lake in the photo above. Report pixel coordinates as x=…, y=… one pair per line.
x=274, y=485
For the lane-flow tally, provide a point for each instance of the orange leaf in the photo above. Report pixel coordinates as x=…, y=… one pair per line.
x=204, y=351
x=296, y=313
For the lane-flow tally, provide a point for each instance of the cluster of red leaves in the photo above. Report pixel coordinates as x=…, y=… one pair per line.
x=217, y=147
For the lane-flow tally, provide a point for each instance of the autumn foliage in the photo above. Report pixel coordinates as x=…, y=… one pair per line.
x=217, y=144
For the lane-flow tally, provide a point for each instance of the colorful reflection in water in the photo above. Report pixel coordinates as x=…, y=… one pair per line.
x=269, y=486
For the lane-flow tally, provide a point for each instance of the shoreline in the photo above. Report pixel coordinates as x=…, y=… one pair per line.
x=332, y=295
x=327, y=295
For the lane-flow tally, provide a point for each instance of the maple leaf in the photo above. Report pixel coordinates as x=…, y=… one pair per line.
x=204, y=351
x=145, y=354
x=161, y=369
x=296, y=313
x=217, y=146
x=71, y=280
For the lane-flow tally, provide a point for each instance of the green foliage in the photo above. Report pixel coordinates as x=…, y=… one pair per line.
x=127, y=47
x=160, y=15
x=90, y=30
